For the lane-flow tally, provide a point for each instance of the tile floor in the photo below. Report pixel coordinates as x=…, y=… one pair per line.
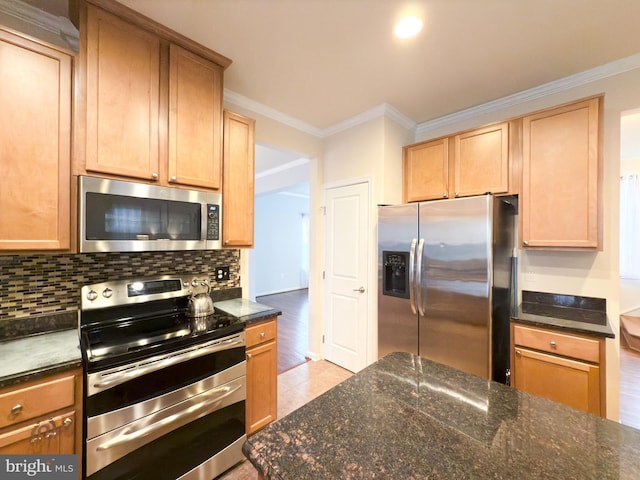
x=295, y=388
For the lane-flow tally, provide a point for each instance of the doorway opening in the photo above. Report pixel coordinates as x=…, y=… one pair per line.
x=279, y=261
x=630, y=268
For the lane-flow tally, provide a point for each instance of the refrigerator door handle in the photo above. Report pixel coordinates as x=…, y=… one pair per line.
x=418, y=284
x=412, y=275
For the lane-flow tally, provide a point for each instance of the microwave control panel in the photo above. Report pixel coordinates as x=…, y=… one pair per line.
x=213, y=222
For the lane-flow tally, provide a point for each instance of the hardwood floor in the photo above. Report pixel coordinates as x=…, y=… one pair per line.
x=293, y=326
x=629, y=387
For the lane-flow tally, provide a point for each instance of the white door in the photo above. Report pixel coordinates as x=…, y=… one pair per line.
x=346, y=273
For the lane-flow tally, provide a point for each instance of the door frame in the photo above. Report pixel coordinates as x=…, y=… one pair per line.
x=370, y=354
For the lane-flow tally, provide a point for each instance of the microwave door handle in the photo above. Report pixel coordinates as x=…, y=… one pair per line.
x=412, y=276
x=419, y=278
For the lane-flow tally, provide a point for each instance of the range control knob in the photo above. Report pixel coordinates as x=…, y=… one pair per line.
x=107, y=293
x=92, y=295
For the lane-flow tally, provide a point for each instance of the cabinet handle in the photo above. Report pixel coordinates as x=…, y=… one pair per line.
x=67, y=422
x=261, y=334
x=249, y=356
x=154, y=175
x=457, y=194
x=518, y=353
x=525, y=243
x=444, y=195
x=553, y=344
x=16, y=409
x=173, y=178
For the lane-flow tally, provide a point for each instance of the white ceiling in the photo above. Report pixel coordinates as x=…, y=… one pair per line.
x=324, y=61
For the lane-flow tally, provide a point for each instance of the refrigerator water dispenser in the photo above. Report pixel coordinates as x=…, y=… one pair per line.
x=395, y=278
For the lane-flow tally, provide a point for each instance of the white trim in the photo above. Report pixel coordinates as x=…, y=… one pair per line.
x=382, y=110
x=576, y=80
x=284, y=166
x=242, y=101
x=588, y=76
x=59, y=26
x=314, y=357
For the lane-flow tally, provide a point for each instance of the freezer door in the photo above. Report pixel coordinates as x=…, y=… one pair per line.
x=455, y=285
x=397, y=318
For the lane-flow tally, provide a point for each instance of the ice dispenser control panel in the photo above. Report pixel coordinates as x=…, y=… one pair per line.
x=395, y=274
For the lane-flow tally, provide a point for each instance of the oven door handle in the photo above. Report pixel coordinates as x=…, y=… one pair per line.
x=173, y=421
x=161, y=363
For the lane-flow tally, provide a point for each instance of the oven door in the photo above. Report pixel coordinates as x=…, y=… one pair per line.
x=169, y=415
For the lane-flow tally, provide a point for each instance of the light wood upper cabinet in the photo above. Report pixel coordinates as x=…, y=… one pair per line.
x=238, y=181
x=35, y=150
x=123, y=97
x=481, y=161
x=426, y=170
x=195, y=120
x=470, y=163
x=149, y=101
x=560, y=202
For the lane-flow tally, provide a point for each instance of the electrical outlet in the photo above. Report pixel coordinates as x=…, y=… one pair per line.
x=221, y=274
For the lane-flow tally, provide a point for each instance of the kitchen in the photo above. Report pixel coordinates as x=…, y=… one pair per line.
x=588, y=274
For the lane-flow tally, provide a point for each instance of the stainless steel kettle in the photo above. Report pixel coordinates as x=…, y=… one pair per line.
x=200, y=304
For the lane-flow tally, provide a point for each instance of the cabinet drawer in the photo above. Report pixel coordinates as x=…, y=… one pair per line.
x=261, y=333
x=582, y=348
x=54, y=435
x=36, y=400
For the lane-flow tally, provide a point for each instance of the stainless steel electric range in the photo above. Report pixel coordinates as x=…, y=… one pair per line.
x=164, y=392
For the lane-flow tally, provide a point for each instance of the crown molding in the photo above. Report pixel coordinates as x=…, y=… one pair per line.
x=242, y=101
x=281, y=168
x=557, y=86
x=59, y=26
x=382, y=110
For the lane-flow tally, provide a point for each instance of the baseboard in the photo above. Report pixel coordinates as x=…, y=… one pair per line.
x=314, y=357
x=276, y=292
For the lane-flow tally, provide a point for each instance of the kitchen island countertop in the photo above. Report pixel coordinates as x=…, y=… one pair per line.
x=407, y=417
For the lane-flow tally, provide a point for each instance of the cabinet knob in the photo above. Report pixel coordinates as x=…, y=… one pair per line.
x=16, y=409
x=457, y=194
x=154, y=175
x=518, y=353
x=525, y=243
x=261, y=334
x=444, y=195
x=67, y=422
x=173, y=178
x=553, y=344
x=249, y=356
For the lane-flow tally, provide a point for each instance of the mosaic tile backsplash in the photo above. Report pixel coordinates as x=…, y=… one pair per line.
x=50, y=284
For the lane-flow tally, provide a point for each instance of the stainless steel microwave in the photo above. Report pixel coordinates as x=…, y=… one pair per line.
x=118, y=216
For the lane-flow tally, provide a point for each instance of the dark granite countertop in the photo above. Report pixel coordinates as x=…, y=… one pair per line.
x=32, y=357
x=572, y=313
x=405, y=417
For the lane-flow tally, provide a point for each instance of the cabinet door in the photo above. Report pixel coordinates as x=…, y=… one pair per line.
x=426, y=171
x=35, y=150
x=55, y=435
x=123, y=82
x=560, y=179
x=570, y=382
x=238, y=181
x=262, y=386
x=481, y=161
x=195, y=120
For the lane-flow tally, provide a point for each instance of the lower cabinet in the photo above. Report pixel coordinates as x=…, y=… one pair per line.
x=566, y=368
x=262, y=375
x=43, y=416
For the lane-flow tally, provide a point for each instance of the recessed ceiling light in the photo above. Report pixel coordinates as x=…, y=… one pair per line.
x=408, y=27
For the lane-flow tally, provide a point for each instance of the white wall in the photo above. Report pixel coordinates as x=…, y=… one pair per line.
x=279, y=247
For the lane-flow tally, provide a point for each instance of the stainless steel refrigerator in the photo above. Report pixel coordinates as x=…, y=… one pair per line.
x=446, y=275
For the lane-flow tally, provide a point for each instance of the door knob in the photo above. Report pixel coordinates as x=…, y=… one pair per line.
x=361, y=289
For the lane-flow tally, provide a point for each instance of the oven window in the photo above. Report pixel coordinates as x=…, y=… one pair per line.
x=118, y=217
